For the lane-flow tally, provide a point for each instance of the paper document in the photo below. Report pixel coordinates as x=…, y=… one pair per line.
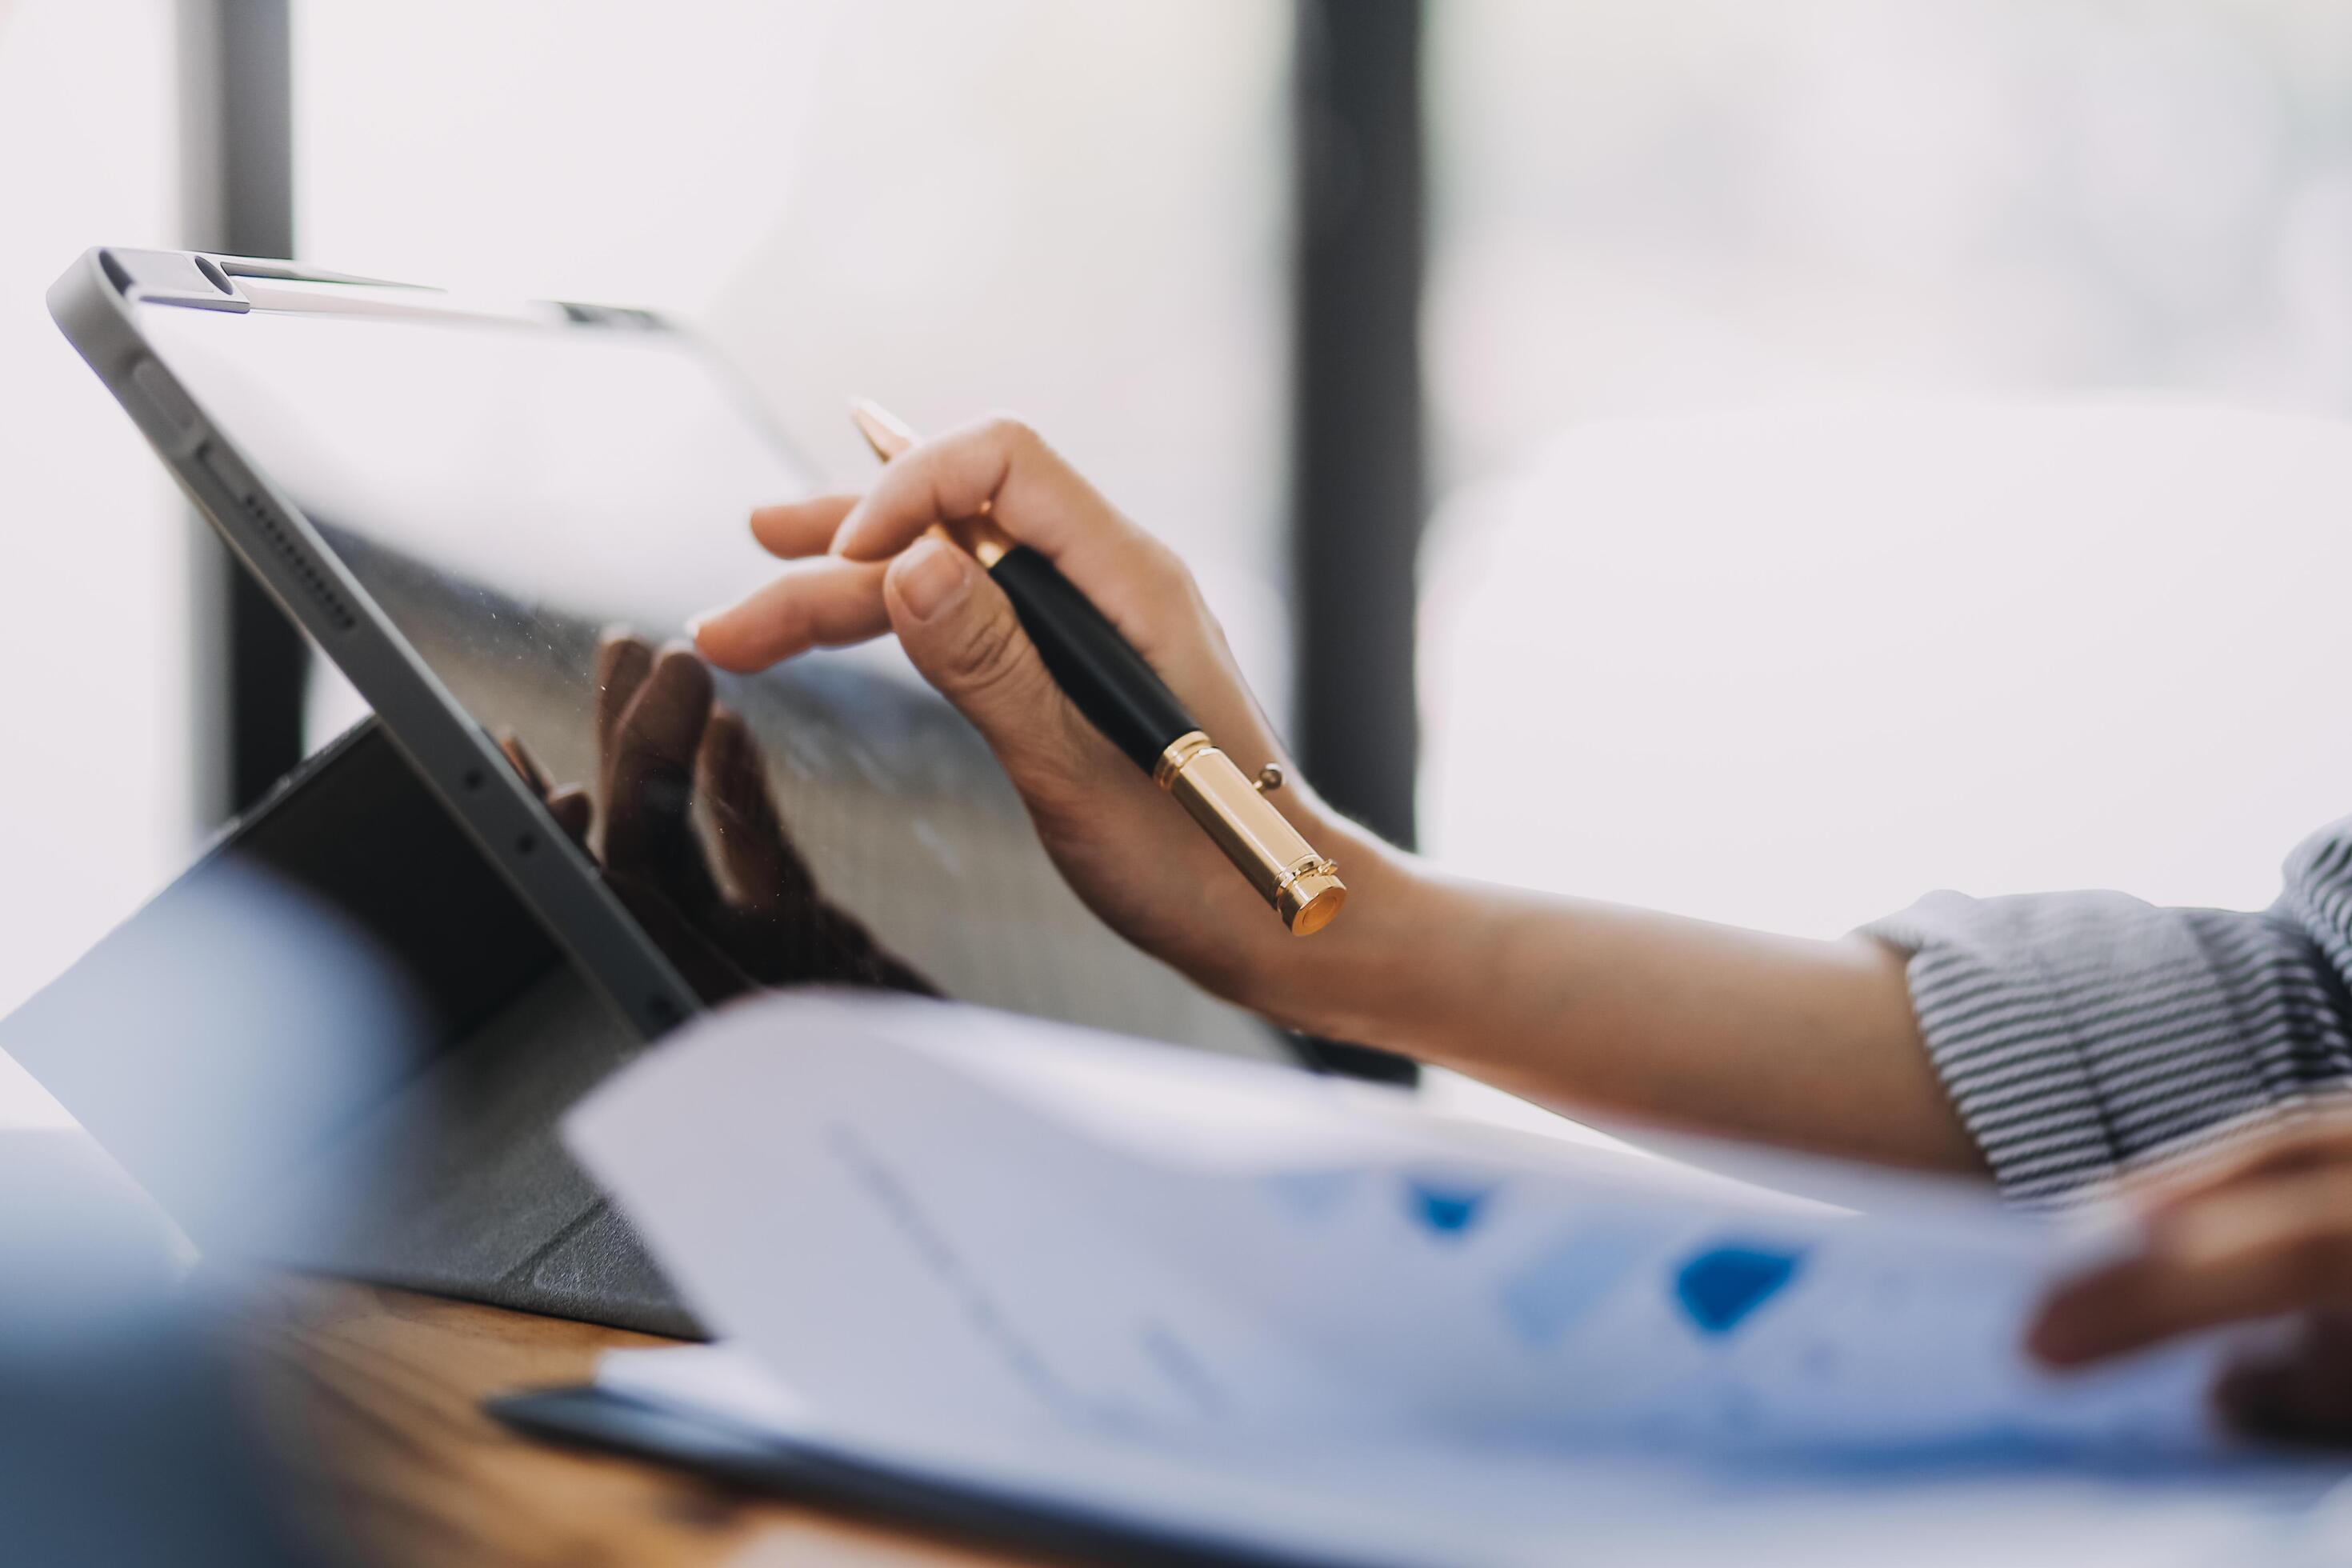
x=1315, y=1317
x=916, y=1209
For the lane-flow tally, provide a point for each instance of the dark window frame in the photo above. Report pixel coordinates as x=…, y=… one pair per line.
x=250, y=662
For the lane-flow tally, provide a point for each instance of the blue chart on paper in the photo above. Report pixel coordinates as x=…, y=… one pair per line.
x=1445, y=1208
x=1723, y=1285
x=1570, y=1277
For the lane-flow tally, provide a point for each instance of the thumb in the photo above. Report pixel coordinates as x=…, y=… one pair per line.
x=960, y=632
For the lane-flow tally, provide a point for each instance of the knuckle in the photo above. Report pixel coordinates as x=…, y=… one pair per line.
x=1011, y=432
x=988, y=656
x=1164, y=562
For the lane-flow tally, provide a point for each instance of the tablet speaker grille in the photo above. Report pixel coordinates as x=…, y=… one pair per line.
x=322, y=593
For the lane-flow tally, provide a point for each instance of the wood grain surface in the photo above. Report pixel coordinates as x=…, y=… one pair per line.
x=373, y=1398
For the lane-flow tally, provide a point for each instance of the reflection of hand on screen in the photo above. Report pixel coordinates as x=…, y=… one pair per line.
x=756, y=917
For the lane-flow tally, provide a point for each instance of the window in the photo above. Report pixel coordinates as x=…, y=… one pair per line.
x=1073, y=211
x=95, y=804
x=1765, y=609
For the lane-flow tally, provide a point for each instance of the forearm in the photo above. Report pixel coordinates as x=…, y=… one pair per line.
x=1600, y=1008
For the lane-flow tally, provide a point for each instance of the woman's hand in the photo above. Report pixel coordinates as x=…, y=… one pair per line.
x=2263, y=1230
x=1128, y=850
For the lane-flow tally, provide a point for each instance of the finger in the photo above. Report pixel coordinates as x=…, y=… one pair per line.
x=2257, y=1153
x=573, y=812
x=794, y=530
x=712, y=972
x=2284, y=1246
x=756, y=858
x=1038, y=500
x=648, y=832
x=1004, y=469
x=960, y=632
x=2299, y=1386
x=571, y=807
x=999, y=467
x=826, y=604
x=623, y=662
x=525, y=765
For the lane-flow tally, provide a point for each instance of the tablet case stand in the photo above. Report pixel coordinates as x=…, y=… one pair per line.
x=340, y=1043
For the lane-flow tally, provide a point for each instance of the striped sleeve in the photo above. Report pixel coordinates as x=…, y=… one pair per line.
x=2081, y=1034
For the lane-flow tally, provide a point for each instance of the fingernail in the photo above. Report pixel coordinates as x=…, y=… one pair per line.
x=694, y=623
x=931, y=577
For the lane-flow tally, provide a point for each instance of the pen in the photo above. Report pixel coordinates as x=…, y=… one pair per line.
x=1122, y=697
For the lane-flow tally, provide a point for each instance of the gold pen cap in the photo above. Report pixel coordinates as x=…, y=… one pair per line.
x=1303, y=887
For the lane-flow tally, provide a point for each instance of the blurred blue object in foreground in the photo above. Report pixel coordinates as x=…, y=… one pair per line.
x=121, y=1438
x=237, y=1017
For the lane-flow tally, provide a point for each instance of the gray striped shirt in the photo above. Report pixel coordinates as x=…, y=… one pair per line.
x=2082, y=1034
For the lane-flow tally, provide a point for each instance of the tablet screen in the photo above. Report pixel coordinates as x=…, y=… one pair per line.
x=538, y=505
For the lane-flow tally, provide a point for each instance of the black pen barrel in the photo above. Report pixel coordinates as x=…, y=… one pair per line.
x=1119, y=693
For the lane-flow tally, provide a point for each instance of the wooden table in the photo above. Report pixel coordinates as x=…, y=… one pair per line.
x=373, y=1397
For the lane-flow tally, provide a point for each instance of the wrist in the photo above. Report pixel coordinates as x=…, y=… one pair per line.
x=1348, y=980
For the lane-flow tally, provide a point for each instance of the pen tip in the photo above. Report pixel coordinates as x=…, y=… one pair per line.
x=883, y=431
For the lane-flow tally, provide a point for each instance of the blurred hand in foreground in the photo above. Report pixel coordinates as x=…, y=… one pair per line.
x=2262, y=1230
x=754, y=919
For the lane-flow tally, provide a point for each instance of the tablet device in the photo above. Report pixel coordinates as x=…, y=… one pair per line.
x=343, y=1038
x=464, y=502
